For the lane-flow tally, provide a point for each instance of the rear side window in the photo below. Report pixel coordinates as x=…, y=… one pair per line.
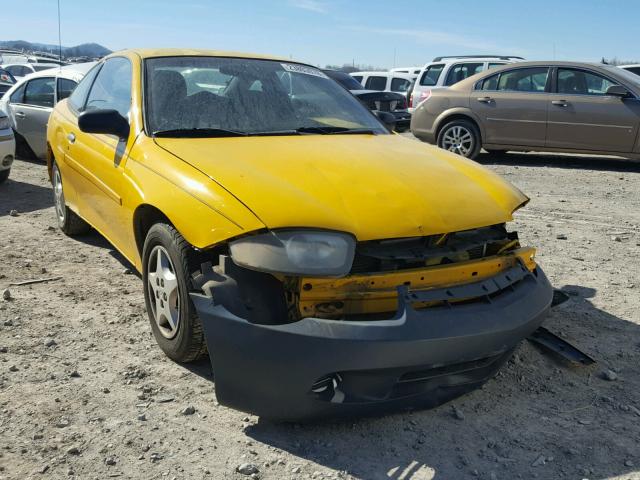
x=459, y=72
x=490, y=83
x=65, y=87
x=494, y=65
x=358, y=78
x=376, y=83
x=635, y=70
x=79, y=94
x=400, y=85
x=17, y=96
x=39, y=92
x=524, y=80
x=431, y=75
x=579, y=82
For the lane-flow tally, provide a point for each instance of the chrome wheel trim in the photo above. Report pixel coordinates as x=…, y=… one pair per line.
x=164, y=296
x=58, y=196
x=458, y=139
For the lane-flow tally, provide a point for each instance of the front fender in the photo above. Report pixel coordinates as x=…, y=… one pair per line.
x=201, y=210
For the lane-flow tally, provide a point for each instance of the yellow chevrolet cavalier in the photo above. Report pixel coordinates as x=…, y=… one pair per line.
x=327, y=266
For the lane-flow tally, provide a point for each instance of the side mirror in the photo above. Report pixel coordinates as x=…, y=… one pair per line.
x=618, y=91
x=387, y=118
x=107, y=122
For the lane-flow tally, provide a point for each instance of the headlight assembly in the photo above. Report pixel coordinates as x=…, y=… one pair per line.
x=296, y=252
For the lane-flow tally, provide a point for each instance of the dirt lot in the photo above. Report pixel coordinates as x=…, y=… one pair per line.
x=85, y=393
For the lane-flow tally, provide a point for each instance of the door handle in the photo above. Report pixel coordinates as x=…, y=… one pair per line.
x=560, y=103
x=72, y=138
x=485, y=99
x=20, y=115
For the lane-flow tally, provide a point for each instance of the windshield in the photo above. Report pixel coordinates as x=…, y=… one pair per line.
x=213, y=95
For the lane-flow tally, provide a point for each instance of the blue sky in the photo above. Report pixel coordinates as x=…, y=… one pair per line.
x=341, y=31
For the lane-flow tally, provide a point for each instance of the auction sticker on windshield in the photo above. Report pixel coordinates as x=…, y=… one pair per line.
x=296, y=68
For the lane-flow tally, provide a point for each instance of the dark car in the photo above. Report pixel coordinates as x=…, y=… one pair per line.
x=6, y=81
x=390, y=102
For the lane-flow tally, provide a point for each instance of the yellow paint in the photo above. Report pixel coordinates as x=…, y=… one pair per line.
x=372, y=186
x=377, y=292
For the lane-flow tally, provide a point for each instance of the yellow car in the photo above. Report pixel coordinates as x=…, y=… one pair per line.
x=327, y=266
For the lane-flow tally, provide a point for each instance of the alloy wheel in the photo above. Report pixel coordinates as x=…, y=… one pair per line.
x=458, y=139
x=58, y=196
x=163, y=292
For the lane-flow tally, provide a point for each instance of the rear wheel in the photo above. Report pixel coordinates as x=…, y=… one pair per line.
x=461, y=137
x=167, y=261
x=68, y=221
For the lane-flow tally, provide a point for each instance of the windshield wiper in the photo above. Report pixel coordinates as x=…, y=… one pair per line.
x=199, y=133
x=335, y=130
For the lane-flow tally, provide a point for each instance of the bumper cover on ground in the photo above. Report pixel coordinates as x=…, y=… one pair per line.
x=417, y=359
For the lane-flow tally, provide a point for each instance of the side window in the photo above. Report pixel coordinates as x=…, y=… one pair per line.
x=459, y=72
x=376, y=83
x=18, y=95
x=579, y=82
x=112, y=87
x=431, y=75
x=494, y=65
x=65, y=87
x=524, y=80
x=14, y=70
x=39, y=92
x=358, y=78
x=635, y=70
x=490, y=83
x=400, y=85
x=79, y=95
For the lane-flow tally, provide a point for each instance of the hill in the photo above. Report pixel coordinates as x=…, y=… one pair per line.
x=83, y=50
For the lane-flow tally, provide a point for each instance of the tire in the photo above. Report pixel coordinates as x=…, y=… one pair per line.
x=167, y=260
x=461, y=137
x=4, y=174
x=68, y=221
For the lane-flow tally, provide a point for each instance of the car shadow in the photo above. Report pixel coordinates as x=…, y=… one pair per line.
x=593, y=162
x=581, y=425
x=23, y=197
x=94, y=239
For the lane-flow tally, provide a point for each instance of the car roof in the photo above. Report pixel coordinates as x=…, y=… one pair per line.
x=630, y=65
x=408, y=76
x=552, y=63
x=194, y=52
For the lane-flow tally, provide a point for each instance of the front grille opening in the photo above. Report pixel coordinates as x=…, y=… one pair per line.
x=442, y=249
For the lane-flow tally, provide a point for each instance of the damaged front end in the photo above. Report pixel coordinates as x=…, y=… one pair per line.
x=415, y=323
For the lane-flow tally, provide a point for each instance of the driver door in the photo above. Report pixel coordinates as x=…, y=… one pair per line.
x=99, y=159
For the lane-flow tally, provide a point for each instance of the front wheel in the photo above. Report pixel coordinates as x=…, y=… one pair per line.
x=165, y=274
x=461, y=137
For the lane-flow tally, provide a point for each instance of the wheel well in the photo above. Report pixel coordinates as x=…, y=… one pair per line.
x=457, y=116
x=144, y=218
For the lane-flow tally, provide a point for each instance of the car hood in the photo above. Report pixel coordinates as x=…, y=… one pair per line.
x=373, y=186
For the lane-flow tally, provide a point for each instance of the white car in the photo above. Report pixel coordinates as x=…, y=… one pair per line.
x=632, y=68
x=30, y=102
x=19, y=70
x=443, y=72
x=7, y=147
x=385, y=81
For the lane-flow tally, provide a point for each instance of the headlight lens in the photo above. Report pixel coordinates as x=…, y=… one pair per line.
x=4, y=123
x=296, y=252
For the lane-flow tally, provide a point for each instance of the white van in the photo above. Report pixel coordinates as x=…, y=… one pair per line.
x=385, y=81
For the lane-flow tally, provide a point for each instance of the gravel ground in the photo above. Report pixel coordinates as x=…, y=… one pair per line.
x=85, y=393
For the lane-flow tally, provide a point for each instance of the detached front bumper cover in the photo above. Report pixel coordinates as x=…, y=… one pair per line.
x=416, y=359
